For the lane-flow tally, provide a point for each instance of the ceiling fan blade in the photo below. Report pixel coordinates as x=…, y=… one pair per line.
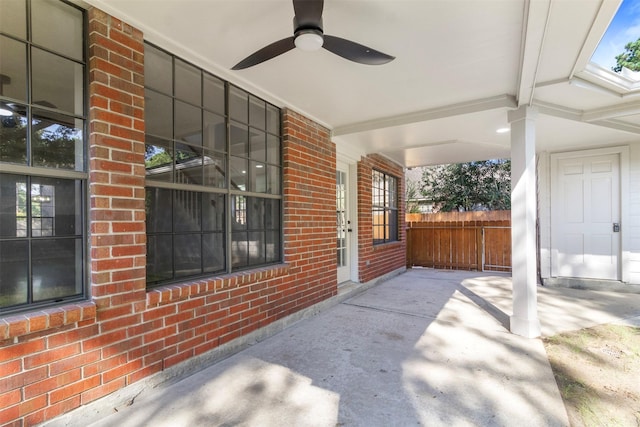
x=266, y=53
x=308, y=13
x=355, y=52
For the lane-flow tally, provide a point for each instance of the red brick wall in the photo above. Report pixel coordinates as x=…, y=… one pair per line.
x=377, y=260
x=55, y=360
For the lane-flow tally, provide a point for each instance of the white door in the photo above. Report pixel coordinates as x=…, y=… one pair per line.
x=343, y=224
x=585, y=217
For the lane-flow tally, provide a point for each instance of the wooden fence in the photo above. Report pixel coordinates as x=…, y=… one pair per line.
x=460, y=240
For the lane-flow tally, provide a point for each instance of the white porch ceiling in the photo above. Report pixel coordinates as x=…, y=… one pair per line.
x=460, y=66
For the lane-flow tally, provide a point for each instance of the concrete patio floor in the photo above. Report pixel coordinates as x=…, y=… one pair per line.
x=427, y=347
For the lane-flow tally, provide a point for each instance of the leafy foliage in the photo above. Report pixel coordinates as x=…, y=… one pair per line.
x=469, y=186
x=630, y=58
x=412, y=191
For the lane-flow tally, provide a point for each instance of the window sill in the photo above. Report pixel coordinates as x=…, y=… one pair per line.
x=172, y=293
x=38, y=321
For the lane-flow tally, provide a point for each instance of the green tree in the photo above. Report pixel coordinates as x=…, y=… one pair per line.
x=412, y=192
x=469, y=186
x=630, y=58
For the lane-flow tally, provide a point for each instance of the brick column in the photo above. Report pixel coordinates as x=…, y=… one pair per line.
x=116, y=184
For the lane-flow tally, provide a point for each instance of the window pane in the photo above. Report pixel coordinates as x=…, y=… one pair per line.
x=13, y=205
x=14, y=265
x=257, y=113
x=188, y=83
x=239, y=144
x=258, y=145
x=273, y=149
x=57, y=141
x=158, y=159
x=188, y=253
x=188, y=124
x=273, y=120
x=272, y=214
x=239, y=249
x=256, y=248
x=56, y=207
x=13, y=134
x=213, y=96
x=157, y=70
x=187, y=211
x=238, y=212
x=213, y=212
x=158, y=114
x=273, y=180
x=57, y=82
x=159, y=258
x=215, y=132
x=238, y=105
x=272, y=247
x=58, y=27
x=13, y=17
x=214, y=170
x=13, y=67
x=188, y=164
x=213, y=252
x=258, y=177
x=255, y=213
x=158, y=209
x=57, y=268
x=238, y=171
x=393, y=224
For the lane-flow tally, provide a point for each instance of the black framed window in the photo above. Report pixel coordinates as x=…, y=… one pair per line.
x=42, y=153
x=384, y=207
x=213, y=173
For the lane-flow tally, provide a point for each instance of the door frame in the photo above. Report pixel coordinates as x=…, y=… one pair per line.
x=623, y=154
x=351, y=205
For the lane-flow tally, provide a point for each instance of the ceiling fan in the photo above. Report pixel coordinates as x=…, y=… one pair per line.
x=308, y=35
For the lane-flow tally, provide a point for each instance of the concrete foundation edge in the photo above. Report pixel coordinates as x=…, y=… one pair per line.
x=92, y=412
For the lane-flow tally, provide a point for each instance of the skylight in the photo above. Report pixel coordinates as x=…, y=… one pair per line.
x=624, y=28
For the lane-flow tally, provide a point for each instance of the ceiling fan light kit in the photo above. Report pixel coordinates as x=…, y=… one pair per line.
x=309, y=40
x=308, y=36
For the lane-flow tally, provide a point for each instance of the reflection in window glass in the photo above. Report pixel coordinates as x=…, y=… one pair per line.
x=239, y=141
x=14, y=265
x=188, y=164
x=258, y=145
x=158, y=207
x=57, y=141
x=158, y=114
x=42, y=121
x=214, y=170
x=238, y=104
x=198, y=136
x=13, y=134
x=157, y=70
x=188, y=83
x=57, y=82
x=257, y=113
x=215, y=132
x=158, y=160
x=188, y=253
x=56, y=274
x=13, y=18
x=238, y=171
x=213, y=96
x=58, y=26
x=188, y=125
x=159, y=258
x=13, y=79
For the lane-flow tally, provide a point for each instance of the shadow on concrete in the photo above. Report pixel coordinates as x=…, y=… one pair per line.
x=423, y=348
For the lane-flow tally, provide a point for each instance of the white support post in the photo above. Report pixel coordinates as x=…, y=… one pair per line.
x=524, y=320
